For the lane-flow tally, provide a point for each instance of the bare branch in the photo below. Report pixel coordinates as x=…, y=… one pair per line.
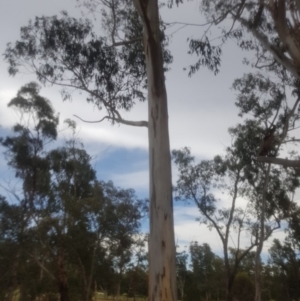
x=279, y=161
x=264, y=66
x=291, y=140
x=187, y=24
x=124, y=43
x=141, y=123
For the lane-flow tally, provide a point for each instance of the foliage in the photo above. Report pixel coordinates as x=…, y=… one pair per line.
x=242, y=178
x=243, y=287
x=65, y=225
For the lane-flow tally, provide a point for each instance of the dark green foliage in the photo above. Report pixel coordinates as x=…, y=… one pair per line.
x=259, y=95
x=135, y=283
x=191, y=175
x=65, y=227
x=67, y=52
x=210, y=56
x=205, y=278
x=68, y=48
x=202, y=263
x=24, y=149
x=286, y=269
x=243, y=287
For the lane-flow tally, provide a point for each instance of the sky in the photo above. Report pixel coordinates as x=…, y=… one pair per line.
x=201, y=109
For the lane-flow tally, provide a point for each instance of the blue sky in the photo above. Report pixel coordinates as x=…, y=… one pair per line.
x=201, y=109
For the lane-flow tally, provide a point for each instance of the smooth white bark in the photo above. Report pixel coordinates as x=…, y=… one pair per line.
x=162, y=272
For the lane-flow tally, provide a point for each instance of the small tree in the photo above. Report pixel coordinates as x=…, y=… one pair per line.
x=196, y=183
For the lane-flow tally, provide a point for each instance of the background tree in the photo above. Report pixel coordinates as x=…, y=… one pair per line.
x=66, y=224
x=24, y=153
x=181, y=268
x=238, y=177
x=285, y=259
x=243, y=287
x=267, y=102
x=137, y=272
x=197, y=182
x=202, y=263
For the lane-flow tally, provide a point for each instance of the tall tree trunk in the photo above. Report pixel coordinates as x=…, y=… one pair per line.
x=162, y=260
x=90, y=279
x=228, y=272
x=63, y=288
x=96, y=291
x=259, y=248
x=118, y=289
x=230, y=280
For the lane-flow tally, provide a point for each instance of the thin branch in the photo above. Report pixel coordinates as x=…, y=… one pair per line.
x=275, y=51
x=233, y=205
x=113, y=32
x=239, y=13
x=264, y=66
x=125, y=43
x=187, y=24
x=291, y=140
x=119, y=120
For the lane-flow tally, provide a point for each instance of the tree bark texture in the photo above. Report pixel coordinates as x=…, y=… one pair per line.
x=162, y=260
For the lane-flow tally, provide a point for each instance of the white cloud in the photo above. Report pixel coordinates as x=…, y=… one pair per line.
x=138, y=180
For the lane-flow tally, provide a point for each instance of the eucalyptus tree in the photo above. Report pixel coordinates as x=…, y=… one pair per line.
x=181, y=268
x=267, y=29
x=128, y=211
x=113, y=70
x=198, y=183
x=239, y=176
x=273, y=27
x=268, y=103
x=203, y=267
x=24, y=152
x=136, y=270
x=243, y=288
x=284, y=257
x=11, y=262
x=65, y=220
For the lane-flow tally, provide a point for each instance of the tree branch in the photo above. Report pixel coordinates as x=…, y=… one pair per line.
x=279, y=161
x=119, y=120
x=124, y=43
x=275, y=51
x=286, y=124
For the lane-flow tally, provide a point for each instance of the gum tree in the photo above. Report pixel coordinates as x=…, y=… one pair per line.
x=269, y=30
x=113, y=70
x=267, y=191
